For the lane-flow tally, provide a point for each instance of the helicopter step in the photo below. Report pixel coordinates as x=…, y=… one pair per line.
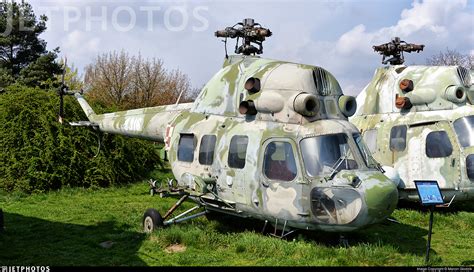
x=284, y=233
x=343, y=241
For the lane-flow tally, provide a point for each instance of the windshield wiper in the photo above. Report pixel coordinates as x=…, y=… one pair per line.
x=370, y=161
x=336, y=165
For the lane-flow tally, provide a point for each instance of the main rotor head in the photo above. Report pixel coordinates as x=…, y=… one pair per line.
x=394, y=50
x=251, y=33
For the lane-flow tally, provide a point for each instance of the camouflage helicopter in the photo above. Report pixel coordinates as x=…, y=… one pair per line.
x=265, y=139
x=419, y=121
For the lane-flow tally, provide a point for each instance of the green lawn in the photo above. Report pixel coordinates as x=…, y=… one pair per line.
x=66, y=228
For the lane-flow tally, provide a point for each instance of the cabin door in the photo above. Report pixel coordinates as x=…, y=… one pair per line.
x=281, y=181
x=433, y=154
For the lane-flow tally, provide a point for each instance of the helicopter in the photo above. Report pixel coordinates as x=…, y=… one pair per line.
x=265, y=139
x=418, y=121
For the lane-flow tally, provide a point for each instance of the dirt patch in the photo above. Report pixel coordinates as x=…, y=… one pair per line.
x=175, y=248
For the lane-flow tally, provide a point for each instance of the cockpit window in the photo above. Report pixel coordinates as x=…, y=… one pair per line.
x=365, y=151
x=464, y=128
x=370, y=138
x=323, y=155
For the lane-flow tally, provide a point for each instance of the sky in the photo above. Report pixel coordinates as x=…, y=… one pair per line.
x=336, y=35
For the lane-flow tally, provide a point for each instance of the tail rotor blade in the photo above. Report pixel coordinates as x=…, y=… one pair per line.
x=62, y=91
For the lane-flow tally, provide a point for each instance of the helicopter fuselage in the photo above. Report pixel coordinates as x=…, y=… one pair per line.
x=280, y=150
x=432, y=138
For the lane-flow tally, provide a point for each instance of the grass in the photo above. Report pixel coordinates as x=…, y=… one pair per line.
x=65, y=228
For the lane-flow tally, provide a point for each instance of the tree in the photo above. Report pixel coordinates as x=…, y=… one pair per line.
x=452, y=57
x=42, y=72
x=71, y=77
x=19, y=42
x=39, y=154
x=149, y=80
x=109, y=78
x=5, y=78
x=119, y=80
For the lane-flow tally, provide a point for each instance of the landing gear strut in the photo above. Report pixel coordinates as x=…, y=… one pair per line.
x=343, y=241
x=153, y=220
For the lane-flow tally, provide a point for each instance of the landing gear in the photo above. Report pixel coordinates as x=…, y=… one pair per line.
x=153, y=188
x=153, y=220
x=172, y=189
x=343, y=241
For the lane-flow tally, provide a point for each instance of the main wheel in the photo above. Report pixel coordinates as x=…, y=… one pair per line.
x=152, y=220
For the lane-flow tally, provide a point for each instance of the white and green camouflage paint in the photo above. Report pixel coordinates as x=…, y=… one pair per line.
x=441, y=95
x=358, y=197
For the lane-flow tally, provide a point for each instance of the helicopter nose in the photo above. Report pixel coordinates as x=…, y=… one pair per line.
x=368, y=201
x=381, y=197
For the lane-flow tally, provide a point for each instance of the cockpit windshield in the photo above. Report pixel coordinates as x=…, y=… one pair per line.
x=464, y=128
x=326, y=154
x=364, y=150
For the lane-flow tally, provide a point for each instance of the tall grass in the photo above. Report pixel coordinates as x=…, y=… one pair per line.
x=66, y=227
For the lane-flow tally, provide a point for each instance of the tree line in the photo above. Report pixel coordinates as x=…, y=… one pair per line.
x=118, y=79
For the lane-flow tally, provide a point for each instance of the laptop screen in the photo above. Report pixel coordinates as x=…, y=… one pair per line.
x=429, y=192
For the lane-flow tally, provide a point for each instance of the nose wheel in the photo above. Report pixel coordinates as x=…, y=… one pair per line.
x=152, y=220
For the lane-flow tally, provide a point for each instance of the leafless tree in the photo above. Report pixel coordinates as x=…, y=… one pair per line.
x=109, y=77
x=116, y=79
x=452, y=57
x=148, y=80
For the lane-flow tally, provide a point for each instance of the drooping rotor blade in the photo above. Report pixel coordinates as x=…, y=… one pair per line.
x=61, y=93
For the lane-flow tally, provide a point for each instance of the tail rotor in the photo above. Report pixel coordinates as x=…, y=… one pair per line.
x=62, y=91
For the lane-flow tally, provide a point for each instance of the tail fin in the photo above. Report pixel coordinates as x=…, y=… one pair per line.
x=91, y=115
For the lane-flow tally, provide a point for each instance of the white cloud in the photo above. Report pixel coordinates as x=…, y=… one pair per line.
x=337, y=36
x=437, y=24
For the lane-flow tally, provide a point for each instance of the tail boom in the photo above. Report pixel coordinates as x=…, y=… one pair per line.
x=146, y=123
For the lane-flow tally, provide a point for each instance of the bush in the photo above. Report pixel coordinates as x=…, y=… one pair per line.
x=39, y=154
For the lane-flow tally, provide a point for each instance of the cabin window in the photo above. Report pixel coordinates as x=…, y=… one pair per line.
x=186, y=148
x=206, y=150
x=398, y=138
x=438, y=145
x=470, y=167
x=279, y=162
x=238, y=151
x=370, y=138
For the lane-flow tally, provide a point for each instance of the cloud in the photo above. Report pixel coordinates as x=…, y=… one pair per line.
x=437, y=24
x=336, y=35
